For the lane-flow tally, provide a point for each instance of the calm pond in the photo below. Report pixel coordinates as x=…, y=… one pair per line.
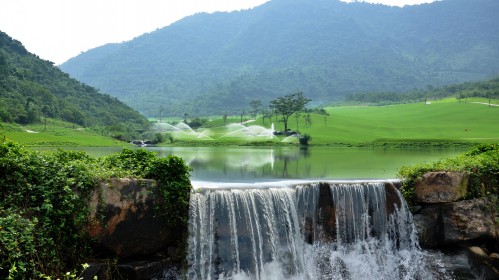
x=229, y=164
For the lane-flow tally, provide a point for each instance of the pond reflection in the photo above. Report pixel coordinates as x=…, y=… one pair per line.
x=229, y=164
x=264, y=163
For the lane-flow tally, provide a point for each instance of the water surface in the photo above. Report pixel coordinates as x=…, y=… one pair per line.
x=277, y=163
x=250, y=164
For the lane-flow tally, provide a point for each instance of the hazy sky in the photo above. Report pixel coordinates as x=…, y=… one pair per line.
x=57, y=30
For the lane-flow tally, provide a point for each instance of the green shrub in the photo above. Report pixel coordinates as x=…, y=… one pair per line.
x=481, y=164
x=44, y=196
x=18, y=248
x=135, y=161
x=174, y=188
x=47, y=193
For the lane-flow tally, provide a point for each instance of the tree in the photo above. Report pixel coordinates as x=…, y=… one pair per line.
x=266, y=113
x=255, y=108
x=308, y=120
x=323, y=112
x=289, y=104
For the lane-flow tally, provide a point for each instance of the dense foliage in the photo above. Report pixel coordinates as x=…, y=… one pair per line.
x=481, y=164
x=32, y=89
x=486, y=89
x=171, y=172
x=217, y=63
x=43, y=203
x=287, y=105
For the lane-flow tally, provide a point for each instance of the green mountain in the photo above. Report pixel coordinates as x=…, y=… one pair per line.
x=32, y=89
x=217, y=63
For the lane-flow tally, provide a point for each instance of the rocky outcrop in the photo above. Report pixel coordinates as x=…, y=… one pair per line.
x=451, y=223
x=123, y=222
x=487, y=265
x=441, y=187
x=444, y=220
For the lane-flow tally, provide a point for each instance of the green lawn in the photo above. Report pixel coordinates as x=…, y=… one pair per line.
x=456, y=121
x=441, y=121
x=56, y=134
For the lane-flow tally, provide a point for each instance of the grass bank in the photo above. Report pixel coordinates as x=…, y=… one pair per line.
x=55, y=133
x=443, y=123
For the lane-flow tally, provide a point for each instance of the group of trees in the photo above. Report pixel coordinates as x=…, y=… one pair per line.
x=487, y=89
x=32, y=90
x=284, y=107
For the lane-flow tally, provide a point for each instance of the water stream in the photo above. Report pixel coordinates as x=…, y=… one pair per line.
x=298, y=230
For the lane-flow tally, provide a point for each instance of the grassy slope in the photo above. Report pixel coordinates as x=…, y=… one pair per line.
x=57, y=134
x=444, y=120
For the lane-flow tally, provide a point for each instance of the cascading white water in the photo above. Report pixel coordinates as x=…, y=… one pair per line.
x=309, y=231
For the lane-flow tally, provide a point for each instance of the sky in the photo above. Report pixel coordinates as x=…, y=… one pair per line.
x=57, y=30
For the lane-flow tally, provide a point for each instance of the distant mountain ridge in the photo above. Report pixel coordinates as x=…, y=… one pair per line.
x=217, y=63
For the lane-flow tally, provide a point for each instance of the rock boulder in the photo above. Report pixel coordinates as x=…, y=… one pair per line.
x=451, y=223
x=441, y=187
x=123, y=222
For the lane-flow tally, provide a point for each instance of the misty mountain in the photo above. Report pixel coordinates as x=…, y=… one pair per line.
x=216, y=63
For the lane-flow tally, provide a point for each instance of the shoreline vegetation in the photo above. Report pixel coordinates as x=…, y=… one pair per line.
x=44, y=204
x=44, y=196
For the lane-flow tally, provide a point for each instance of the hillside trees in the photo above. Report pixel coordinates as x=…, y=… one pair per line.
x=32, y=90
x=256, y=107
x=288, y=105
x=487, y=89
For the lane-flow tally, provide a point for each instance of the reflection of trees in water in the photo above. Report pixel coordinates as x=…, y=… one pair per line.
x=302, y=168
x=281, y=162
x=286, y=156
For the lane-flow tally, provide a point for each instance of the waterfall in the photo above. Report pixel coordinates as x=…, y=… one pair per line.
x=305, y=231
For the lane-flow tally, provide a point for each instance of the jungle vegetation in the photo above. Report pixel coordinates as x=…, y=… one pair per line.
x=33, y=90
x=44, y=204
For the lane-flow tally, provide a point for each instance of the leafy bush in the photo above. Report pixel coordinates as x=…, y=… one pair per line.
x=46, y=193
x=171, y=173
x=44, y=196
x=305, y=139
x=174, y=188
x=481, y=164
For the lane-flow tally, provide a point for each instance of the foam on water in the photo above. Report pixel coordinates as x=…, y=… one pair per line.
x=275, y=231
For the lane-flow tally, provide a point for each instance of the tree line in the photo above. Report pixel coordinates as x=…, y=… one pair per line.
x=486, y=89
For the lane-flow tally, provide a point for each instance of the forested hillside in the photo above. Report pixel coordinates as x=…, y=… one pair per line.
x=217, y=63
x=32, y=89
x=487, y=89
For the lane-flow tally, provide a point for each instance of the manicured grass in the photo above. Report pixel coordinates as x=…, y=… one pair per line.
x=441, y=121
x=55, y=134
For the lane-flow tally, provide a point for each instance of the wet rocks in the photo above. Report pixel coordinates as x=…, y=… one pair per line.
x=122, y=219
x=451, y=223
x=441, y=187
x=444, y=220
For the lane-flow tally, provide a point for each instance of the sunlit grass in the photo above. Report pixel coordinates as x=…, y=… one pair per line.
x=446, y=120
x=56, y=133
x=442, y=120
